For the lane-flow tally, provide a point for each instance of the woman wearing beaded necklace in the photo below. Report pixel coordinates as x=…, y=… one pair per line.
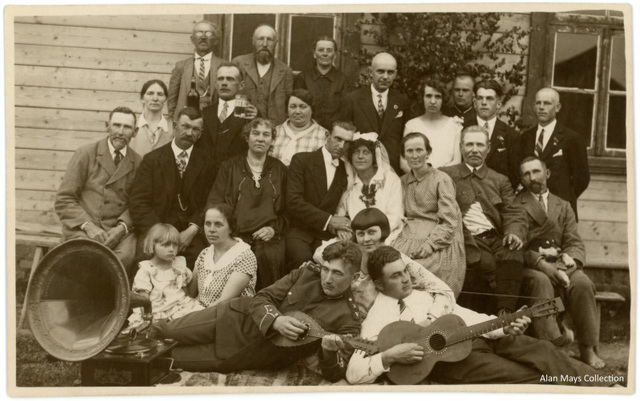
x=253, y=185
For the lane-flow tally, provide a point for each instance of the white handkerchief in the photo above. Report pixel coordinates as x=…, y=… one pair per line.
x=399, y=114
x=558, y=153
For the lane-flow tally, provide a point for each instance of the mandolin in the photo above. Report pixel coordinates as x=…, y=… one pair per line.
x=447, y=339
x=315, y=332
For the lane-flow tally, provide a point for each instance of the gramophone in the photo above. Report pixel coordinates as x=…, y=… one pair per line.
x=78, y=301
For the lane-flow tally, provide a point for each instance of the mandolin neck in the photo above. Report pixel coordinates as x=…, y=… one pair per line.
x=477, y=330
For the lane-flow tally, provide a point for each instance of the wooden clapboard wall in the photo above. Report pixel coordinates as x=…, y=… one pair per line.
x=70, y=73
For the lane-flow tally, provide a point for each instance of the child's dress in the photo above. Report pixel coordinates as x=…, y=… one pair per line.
x=169, y=299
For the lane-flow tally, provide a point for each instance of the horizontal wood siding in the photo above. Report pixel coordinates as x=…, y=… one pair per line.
x=70, y=72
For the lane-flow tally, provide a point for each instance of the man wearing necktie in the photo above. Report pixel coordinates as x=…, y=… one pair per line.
x=172, y=185
x=563, y=150
x=202, y=65
x=379, y=108
x=222, y=132
x=93, y=198
x=552, y=219
x=494, y=228
x=505, y=155
x=503, y=355
x=315, y=183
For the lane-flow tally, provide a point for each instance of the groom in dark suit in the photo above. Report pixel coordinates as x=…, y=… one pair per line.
x=380, y=109
x=563, y=150
x=172, y=185
x=315, y=183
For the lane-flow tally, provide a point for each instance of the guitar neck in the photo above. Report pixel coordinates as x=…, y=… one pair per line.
x=477, y=330
x=359, y=343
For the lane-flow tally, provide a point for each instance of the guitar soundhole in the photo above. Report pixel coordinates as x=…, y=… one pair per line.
x=437, y=342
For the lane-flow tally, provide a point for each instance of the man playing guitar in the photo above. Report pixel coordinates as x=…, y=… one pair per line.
x=500, y=356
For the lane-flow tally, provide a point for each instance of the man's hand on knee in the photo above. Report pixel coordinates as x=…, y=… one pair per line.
x=114, y=236
x=95, y=233
x=512, y=242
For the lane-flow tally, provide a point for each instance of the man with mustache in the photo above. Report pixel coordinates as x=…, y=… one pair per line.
x=93, y=198
x=551, y=218
x=379, y=108
x=494, y=228
x=328, y=85
x=268, y=82
x=562, y=149
x=203, y=66
x=235, y=334
x=172, y=185
x=504, y=156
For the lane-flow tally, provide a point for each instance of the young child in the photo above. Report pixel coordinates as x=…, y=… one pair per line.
x=164, y=277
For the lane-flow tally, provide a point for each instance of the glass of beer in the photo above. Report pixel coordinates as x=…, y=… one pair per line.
x=241, y=106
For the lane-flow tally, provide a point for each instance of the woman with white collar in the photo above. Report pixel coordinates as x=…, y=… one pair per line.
x=372, y=183
x=152, y=130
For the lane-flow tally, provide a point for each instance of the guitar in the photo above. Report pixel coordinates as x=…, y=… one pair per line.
x=447, y=339
x=314, y=332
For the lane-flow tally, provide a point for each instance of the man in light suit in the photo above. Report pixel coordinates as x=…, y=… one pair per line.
x=494, y=228
x=203, y=66
x=562, y=149
x=551, y=219
x=222, y=132
x=93, y=198
x=268, y=82
x=504, y=156
x=315, y=183
x=378, y=108
x=172, y=185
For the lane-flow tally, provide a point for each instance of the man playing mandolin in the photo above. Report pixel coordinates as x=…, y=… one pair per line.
x=242, y=333
x=499, y=356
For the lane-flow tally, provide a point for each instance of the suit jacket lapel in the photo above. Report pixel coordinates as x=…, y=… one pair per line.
x=390, y=113
x=213, y=73
x=213, y=120
x=369, y=108
x=251, y=70
x=193, y=170
x=553, y=144
x=188, y=73
x=321, y=175
x=553, y=207
x=497, y=132
x=276, y=76
x=533, y=208
x=168, y=169
x=105, y=158
x=125, y=167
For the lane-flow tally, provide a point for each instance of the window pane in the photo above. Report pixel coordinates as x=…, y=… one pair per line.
x=577, y=113
x=575, y=60
x=616, y=132
x=305, y=29
x=618, y=65
x=243, y=27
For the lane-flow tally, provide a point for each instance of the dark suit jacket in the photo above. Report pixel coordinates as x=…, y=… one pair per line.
x=566, y=157
x=468, y=115
x=505, y=154
x=359, y=109
x=558, y=223
x=243, y=325
x=309, y=202
x=180, y=83
x=495, y=194
x=280, y=89
x=221, y=140
x=154, y=198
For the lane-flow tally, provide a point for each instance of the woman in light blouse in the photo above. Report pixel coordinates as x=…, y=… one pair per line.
x=152, y=130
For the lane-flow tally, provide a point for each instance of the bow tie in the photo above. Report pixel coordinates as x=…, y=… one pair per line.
x=335, y=162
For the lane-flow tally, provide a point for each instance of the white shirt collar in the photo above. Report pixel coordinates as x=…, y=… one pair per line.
x=327, y=157
x=163, y=124
x=231, y=103
x=375, y=92
x=177, y=150
x=545, y=195
x=548, y=130
x=112, y=150
x=206, y=57
x=492, y=123
x=391, y=303
x=471, y=168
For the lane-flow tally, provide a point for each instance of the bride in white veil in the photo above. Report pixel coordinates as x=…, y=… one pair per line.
x=371, y=183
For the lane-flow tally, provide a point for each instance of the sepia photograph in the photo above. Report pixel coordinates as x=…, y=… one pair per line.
x=327, y=198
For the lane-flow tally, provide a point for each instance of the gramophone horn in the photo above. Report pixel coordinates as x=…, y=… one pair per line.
x=78, y=300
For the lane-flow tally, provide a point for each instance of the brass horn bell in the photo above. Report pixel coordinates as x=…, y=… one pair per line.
x=78, y=300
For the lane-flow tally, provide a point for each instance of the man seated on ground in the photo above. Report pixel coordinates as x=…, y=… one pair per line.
x=501, y=356
x=552, y=219
x=493, y=227
x=236, y=334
